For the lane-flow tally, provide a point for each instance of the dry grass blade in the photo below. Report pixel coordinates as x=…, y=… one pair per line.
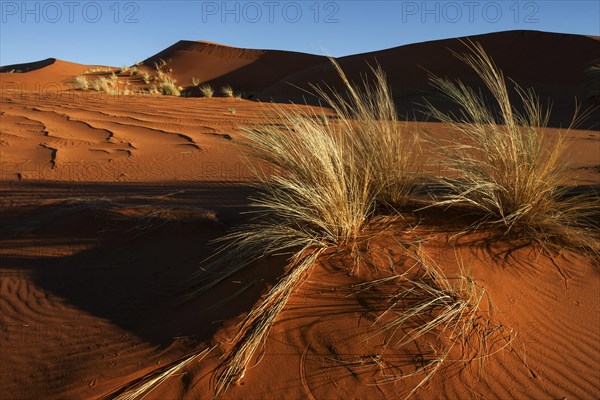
x=139, y=389
x=428, y=310
x=257, y=325
x=507, y=166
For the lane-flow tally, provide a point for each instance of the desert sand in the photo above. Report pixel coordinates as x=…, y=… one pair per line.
x=110, y=203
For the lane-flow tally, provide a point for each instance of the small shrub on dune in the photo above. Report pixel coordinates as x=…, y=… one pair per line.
x=227, y=91
x=167, y=85
x=102, y=84
x=168, y=88
x=81, y=82
x=109, y=85
x=207, y=90
x=145, y=77
x=508, y=167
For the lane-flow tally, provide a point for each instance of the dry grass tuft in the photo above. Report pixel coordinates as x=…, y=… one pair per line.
x=145, y=77
x=507, y=166
x=326, y=182
x=227, y=91
x=207, y=90
x=98, y=69
x=167, y=85
x=106, y=85
x=81, y=82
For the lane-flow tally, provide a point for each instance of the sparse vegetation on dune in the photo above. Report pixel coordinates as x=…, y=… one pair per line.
x=508, y=168
x=330, y=178
x=145, y=77
x=108, y=85
x=98, y=69
x=160, y=64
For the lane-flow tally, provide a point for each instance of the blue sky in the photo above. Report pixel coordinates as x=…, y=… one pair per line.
x=122, y=32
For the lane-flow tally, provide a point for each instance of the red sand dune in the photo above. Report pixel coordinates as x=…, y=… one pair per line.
x=552, y=63
x=40, y=74
x=245, y=70
x=108, y=204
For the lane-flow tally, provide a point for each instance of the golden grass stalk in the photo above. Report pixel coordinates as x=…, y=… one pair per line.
x=507, y=166
x=257, y=325
x=142, y=387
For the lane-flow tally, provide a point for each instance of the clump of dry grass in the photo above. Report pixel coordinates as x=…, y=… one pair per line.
x=383, y=145
x=145, y=77
x=124, y=69
x=81, y=82
x=195, y=81
x=227, y=91
x=160, y=64
x=507, y=166
x=98, y=69
x=326, y=184
x=207, y=90
x=104, y=84
x=167, y=85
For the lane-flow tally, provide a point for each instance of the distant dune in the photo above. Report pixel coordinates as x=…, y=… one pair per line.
x=551, y=63
x=245, y=70
x=40, y=74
